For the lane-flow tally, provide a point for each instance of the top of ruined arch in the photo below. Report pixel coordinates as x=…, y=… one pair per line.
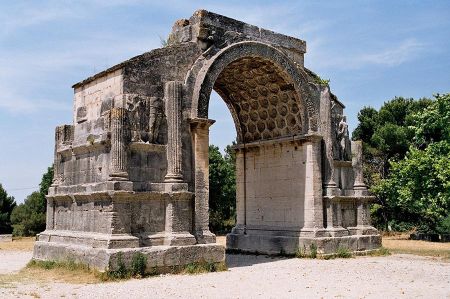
x=207, y=26
x=204, y=24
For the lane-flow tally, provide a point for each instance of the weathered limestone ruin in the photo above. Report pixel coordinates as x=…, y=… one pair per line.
x=131, y=173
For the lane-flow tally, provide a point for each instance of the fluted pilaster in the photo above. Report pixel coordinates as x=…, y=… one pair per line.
x=118, y=169
x=173, y=93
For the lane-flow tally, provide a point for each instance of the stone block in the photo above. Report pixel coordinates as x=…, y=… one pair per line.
x=132, y=173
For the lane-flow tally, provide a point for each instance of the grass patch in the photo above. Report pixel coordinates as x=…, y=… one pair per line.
x=303, y=253
x=138, y=268
x=204, y=267
x=67, y=271
x=379, y=252
x=19, y=244
x=72, y=272
x=417, y=247
x=343, y=252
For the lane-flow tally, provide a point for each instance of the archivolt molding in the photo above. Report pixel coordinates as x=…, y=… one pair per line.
x=202, y=80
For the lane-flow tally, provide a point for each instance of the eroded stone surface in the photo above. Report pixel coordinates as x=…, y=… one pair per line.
x=132, y=172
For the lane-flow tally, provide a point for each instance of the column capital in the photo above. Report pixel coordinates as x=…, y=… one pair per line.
x=201, y=123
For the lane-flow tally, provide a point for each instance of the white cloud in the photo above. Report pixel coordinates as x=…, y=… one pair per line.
x=16, y=103
x=392, y=55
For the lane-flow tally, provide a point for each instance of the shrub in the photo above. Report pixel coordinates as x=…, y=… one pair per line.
x=138, y=264
x=121, y=270
x=313, y=251
x=301, y=253
x=343, y=252
x=444, y=226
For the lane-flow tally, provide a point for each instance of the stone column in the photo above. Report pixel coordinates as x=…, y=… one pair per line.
x=200, y=133
x=330, y=187
x=362, y=213
x=358, y=186
x=118, y=163
x=362, y=198
x=50, y=215
x=173, y=93
x=313, y=213
x=241, y=213
x=56, y=180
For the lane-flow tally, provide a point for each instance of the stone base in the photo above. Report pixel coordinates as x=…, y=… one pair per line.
x=269, y=244
x=159, y=258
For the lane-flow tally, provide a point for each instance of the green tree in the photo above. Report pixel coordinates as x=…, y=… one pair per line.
x=387, y=135
x=368, y=122
x=416, y=192
x=28, y=218
x=7, y=205
x=222, y=189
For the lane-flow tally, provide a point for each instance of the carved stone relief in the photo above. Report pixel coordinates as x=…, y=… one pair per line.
x=145, y=116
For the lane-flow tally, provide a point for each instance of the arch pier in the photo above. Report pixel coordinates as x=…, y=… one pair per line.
x=132, y=173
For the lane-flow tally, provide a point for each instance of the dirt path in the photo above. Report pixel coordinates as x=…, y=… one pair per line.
x=13, y=261
x=396, y=276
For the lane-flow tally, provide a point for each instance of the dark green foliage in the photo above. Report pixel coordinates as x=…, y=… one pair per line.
x=443, y=226
x=407, y=162
x=222, y=189
x=70, y=265
x=46, y=182
x=302, y=252
x=343, y=252
x=120, y=271
x=386, y=134
x=368, y=122
x=7, y=204
x=28, y=218
x=204, y=267
x=138, y=264
x=313, y=251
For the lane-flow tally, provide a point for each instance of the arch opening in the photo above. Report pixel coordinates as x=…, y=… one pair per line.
x=266, y=107
x=261, y=98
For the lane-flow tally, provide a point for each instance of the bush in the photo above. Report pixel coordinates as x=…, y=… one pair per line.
x=313, y=251
x=343, y=252
x=7, y=204
x=444, y=226
x=121, y=270
x=138, y=264
x=28, y=218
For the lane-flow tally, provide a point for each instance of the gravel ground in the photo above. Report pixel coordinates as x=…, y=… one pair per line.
x=13, y=261
x=396, y=276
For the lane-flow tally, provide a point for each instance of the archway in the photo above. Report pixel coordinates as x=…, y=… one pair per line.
x=131, y=171
x=277, y=168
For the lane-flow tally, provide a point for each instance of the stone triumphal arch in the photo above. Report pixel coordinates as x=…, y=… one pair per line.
x=131, y=172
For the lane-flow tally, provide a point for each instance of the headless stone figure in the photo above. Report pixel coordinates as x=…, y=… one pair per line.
x=344, y=140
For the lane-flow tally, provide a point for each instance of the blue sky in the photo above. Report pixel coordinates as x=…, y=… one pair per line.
x=370, y=50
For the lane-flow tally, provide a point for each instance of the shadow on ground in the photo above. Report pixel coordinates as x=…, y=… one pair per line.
x=246, y=260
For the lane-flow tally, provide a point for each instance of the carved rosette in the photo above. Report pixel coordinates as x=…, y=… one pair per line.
x=173, y=96
x=118, y=170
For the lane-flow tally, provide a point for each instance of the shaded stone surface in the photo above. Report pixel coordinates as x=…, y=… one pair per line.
x=131, y=172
